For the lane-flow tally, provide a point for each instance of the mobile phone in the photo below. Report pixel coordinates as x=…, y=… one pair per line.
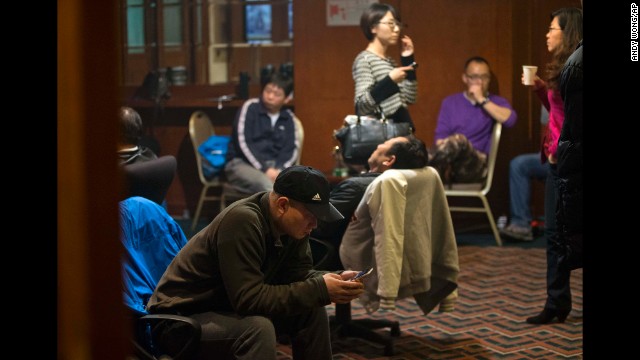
x=414, y=65
x=362, y=274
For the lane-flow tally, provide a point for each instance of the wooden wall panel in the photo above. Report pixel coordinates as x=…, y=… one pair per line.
x=322, y=59
x=90, y=311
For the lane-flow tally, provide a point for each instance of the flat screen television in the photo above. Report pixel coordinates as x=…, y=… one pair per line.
x=257, y=22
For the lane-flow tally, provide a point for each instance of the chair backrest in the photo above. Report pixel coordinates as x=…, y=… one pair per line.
x=151, y=239
x=150, y=179
x=299, y=137
x=200, y=129
x=493, y=155
x=402, y=227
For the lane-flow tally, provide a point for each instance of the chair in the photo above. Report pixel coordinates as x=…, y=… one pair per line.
x=299, y=137
x=403, y=229
x=150, y=179
x=151, y=239
x=480, y=190
x=200, y=129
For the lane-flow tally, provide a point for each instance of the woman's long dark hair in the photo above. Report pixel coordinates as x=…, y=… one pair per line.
x=570, y=21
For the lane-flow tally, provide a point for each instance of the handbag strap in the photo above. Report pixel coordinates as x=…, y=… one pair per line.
x=383, y=118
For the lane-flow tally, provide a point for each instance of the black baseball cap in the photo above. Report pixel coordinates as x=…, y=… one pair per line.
x=310, y=187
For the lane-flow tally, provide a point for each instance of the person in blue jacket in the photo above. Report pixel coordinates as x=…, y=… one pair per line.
x=263, y=140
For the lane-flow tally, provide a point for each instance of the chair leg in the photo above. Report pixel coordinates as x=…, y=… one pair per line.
x=199, y=208
x=365, y=328
x=492, y=221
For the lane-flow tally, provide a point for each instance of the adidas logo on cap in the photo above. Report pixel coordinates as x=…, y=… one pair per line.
x=300, y=183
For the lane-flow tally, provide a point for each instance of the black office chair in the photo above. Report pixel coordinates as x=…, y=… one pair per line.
x=150, y=179
x=326, y=258
x=409, y=241
x=151, y=239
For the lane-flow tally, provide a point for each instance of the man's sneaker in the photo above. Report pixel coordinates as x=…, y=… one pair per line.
x=517, y=232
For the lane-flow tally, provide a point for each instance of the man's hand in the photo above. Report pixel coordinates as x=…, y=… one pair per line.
x=475, y=92
x=272, y=174
x=348, y=274
x=340, y=290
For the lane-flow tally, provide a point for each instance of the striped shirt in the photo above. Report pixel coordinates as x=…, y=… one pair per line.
x=374, y=86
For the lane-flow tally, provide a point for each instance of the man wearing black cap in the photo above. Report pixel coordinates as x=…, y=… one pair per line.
x=248, y=275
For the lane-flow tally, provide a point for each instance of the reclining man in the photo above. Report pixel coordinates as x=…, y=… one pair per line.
x=403, y=152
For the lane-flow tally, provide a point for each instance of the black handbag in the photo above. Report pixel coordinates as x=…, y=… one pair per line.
x=360, y=135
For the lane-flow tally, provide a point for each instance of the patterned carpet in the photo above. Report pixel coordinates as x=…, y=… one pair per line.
x=499, y=287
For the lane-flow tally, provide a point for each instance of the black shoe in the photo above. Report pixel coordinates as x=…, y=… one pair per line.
x=547, y=315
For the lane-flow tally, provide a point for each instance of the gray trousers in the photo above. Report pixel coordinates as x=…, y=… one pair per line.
x=231, y=336
x=245, y=178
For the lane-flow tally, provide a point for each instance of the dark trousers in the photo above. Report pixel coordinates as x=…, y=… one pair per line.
x=558, y=286
x=230, y=336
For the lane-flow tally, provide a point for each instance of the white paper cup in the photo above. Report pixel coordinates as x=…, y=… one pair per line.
x=529, y=72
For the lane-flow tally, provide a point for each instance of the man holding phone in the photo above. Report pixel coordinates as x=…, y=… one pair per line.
x=362, y=275
x=247, y=277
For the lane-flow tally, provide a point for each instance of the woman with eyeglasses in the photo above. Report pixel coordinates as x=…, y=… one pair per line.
x=565, y=32
x=379, y=83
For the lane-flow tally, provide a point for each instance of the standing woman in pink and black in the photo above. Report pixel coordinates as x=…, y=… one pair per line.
x=565, y=32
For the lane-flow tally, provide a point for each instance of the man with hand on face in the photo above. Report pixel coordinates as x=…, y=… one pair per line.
x=465, y=123
x=247, y=277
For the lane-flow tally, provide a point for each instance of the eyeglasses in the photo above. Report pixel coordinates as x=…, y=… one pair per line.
x=554, y=29
x=392, y=24
x=483, y=77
